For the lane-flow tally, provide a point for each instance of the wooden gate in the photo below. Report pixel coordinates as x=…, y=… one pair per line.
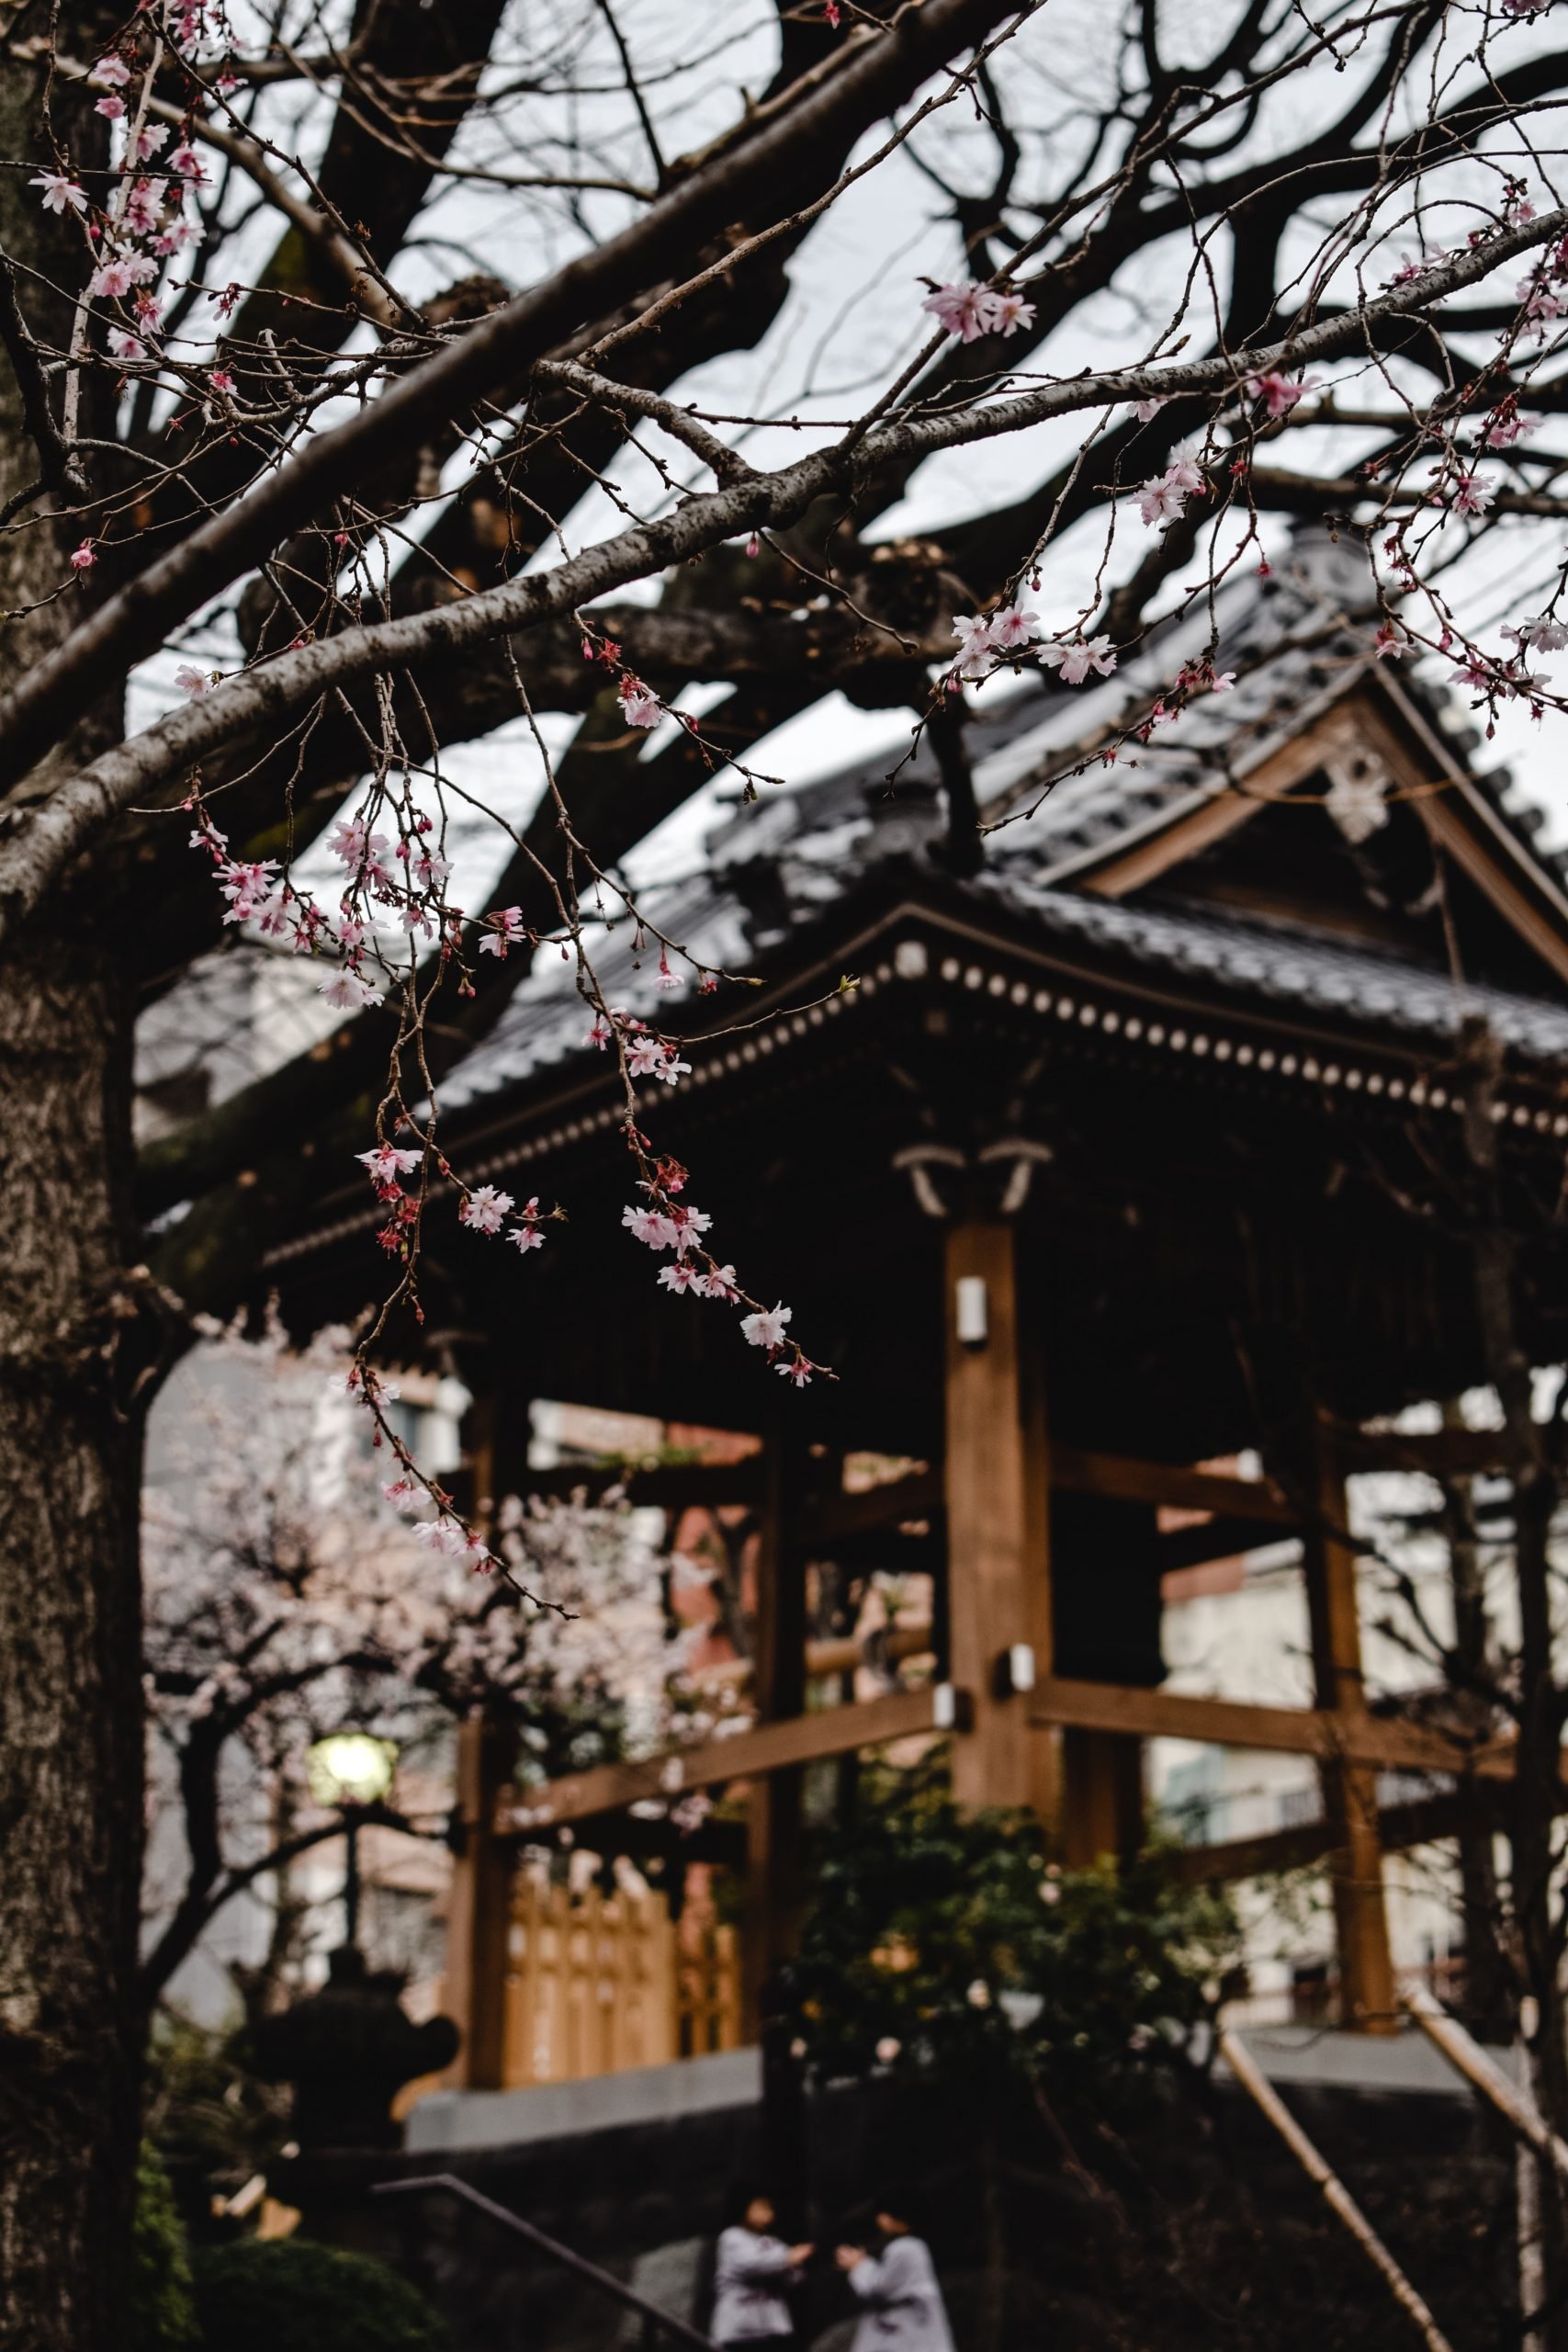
x=597, y=1983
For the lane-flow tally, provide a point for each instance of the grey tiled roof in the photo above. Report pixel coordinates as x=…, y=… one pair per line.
x=776, y=872
x=1273, y=965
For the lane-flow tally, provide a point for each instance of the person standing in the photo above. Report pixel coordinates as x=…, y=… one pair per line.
x=897, y=2290
x=752, y=2280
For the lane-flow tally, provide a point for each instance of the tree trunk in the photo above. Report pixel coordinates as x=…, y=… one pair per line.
x=1533, y=1794
x=70, y=1759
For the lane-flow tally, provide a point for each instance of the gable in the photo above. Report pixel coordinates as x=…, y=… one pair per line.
x=1433, y=869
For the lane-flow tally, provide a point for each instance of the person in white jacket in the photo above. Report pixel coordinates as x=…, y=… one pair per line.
x=898, y=2293
x=754, y=2274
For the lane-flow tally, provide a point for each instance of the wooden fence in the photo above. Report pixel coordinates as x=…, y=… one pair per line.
x=599, y=1983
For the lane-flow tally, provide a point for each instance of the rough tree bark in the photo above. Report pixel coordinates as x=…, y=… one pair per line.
x=72, y=1351
x=69, y=1655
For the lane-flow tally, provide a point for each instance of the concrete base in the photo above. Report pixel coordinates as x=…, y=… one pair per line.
x=445, y=2122
x=1401, y=2062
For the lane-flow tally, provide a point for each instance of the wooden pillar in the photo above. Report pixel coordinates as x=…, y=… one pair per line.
x=1046, y=1756
x=1103, y=1810
x=774, y=1891
x=478, y=1917
x=1349, y=1791
x=988, y=1514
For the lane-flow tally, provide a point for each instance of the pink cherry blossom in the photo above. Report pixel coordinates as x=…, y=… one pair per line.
x=221, y=381
x=651, y=1226
x=349, y=991
x=1147, y=410
x=1010, y=312
x=1506, y=429
x=507, y=933
x=961, y=307
x=682, y=1276
x=968, y=310
x=484, y=1209
x=667, y=978
x=58, y=191
x=976, y=658
x=766, y=1329
x=1013, y=627
x=672, y=1070
x=125, y=345
x=110, y=73
x=798, y=1370
x=404, y=1494
x=1546, y=636
x=1182, y=468
x=644, y=1055
x=1074, y=663
x=115, y=277
x=194, y=683
x=1472, y=493
x=388, y=1161
x=82, y=558
x=1280, y=392
x=444, y=1536
x=639, y=706
x=526, y=1237
x=1160, y=500
x=187, y=162
x=719, y=1282
x=600, y=1035
x=149, y=139
x=111, y=108
x=690, y=1226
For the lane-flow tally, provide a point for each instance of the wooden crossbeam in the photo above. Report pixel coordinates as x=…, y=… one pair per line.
x=1441, y=1454
x=1122, y=1478
x=769, y=1747
x=1229, y=1722
x=1425, y=1822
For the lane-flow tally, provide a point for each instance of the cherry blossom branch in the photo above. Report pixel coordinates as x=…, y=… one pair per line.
x=52, y=835
x=496, y=351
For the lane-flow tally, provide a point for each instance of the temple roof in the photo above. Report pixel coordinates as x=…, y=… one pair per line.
x=784, y=880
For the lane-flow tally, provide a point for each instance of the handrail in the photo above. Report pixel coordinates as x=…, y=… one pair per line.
x=650, y=2314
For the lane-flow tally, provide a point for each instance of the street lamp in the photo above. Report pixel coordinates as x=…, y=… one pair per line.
x=352, y=1772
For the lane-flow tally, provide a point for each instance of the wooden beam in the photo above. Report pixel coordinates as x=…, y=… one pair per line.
x=1124, y=1478
x=699, y=1486
x=829, y=1519
x=1425, y=1822
x=1213, y=818
x=1383, y=1744
x=769, y=1747
x=988, y=1509
x=1440, y=1454
x=1220, y=1537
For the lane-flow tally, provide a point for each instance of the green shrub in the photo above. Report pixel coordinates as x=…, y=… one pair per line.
x=286, y=2295
x=162, y=2310
x=953, y=1942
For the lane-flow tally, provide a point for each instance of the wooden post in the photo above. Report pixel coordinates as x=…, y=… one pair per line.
x=1103, y=1812
x=988, y=1514
x=1349, y=1791
x=478, y=1917
x=1046, y=1758
x=773, y=1884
